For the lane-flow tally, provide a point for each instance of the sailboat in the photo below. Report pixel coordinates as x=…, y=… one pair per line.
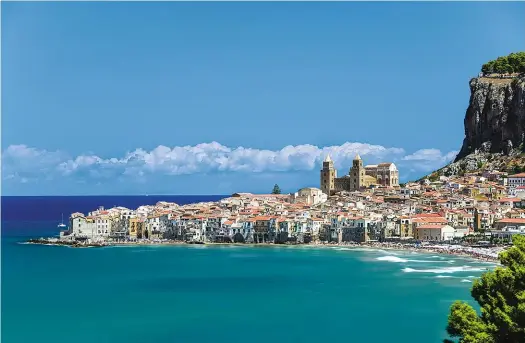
x=61, y=225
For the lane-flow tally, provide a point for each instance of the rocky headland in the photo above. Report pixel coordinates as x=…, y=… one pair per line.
x=495, y=118
x=494, y=121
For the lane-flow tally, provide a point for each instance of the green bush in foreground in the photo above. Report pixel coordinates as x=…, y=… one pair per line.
x=501, y=296
x=513, y=63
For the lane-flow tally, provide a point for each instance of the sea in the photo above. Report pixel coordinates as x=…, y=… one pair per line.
x=201, y=294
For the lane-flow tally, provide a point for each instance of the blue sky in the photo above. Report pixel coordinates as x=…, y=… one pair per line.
x=215, y=98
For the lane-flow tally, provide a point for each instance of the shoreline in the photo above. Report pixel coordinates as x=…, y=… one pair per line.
x=480, y=254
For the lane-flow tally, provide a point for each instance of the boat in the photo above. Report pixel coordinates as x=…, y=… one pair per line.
x=62, y=225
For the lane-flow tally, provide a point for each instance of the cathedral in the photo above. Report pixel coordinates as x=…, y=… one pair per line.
x=382, y=174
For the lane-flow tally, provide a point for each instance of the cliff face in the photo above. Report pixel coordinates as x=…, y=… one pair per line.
x=495, y=118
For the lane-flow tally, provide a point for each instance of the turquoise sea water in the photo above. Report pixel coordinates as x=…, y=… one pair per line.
x=227, y=294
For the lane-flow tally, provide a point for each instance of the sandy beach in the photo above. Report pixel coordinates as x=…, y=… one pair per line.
x=489, y=254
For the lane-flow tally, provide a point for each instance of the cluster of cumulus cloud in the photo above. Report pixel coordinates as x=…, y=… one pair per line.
x=23, y=163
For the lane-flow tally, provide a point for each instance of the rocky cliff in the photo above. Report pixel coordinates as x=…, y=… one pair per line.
x=495, y=118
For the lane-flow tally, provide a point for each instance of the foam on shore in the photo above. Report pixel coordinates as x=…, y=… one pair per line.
x=446, y=270
x=396, y=259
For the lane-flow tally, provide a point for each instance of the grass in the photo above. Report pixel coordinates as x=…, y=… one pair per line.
x=495, y=80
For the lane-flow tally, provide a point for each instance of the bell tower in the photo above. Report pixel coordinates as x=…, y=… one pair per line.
x=357, y=174
x=328, y=175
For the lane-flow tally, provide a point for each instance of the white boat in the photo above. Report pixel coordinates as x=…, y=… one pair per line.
x=61, y=225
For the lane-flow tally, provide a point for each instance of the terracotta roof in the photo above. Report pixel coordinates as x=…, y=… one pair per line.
x=512, y=221
x=517, y=175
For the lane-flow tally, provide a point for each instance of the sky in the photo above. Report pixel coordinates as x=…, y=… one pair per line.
x=217, y=98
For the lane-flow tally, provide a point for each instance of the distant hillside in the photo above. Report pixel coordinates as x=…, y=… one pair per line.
x=512, y=163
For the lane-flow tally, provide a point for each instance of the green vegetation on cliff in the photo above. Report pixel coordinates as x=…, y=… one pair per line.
x=513, y=63
x=501, y=296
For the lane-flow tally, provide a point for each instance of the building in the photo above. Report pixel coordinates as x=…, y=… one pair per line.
x=434, y=232
x=509, y=222
x=81, y=227
x=136, y=226
x=514, y=181
x=328, y=176
x=384, y=174
x=309, y=196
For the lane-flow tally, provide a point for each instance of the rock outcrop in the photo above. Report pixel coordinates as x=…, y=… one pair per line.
x=495, y=118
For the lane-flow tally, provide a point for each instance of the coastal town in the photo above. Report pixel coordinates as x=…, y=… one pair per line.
x=475, y=214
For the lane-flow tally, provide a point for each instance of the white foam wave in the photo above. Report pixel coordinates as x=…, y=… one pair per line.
x=447, y=270
x=465, y=280
x=376, y=250
x=443, y=276
x=392, y=259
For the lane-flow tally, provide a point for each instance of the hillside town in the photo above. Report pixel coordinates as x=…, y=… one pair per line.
x=476, y=209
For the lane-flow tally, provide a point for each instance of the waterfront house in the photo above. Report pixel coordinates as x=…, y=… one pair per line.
x=80, y=227
x=434, y=232
x=514, y=222
x=136, y=227
x=261, y=229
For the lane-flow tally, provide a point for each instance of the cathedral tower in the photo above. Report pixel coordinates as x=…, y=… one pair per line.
x=357, y=174
x=328, y=175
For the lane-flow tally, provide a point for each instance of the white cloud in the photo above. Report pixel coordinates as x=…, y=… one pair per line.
x=429, y=159
x=22, y=162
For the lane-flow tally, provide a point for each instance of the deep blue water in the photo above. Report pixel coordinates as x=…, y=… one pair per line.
x=215, y=294
x=51, y=208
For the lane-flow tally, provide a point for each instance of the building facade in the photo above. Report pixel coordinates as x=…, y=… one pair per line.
x=359, y=176
x=309, y=196
x=328, y=176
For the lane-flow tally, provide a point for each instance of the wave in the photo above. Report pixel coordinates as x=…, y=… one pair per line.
x=390, y=258
x=465, y=280
x=443, y=276
x=376, y=250
x=446, y=270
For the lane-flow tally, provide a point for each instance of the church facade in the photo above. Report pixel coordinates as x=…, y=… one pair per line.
x=359, y=176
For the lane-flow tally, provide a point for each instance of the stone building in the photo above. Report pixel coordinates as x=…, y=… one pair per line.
x=328, y=176
x=386, y=174
x=359, y=176
x=308, y=196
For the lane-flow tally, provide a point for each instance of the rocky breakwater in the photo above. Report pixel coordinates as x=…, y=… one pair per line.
x=70, y=243
x=495, y=118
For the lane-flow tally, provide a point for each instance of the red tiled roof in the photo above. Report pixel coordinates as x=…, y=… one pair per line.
x=517, y=175
x=512, y=221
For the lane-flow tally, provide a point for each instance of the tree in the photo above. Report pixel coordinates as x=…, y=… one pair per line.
x=276, y=189
x=501, y=296
x=513, y=63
